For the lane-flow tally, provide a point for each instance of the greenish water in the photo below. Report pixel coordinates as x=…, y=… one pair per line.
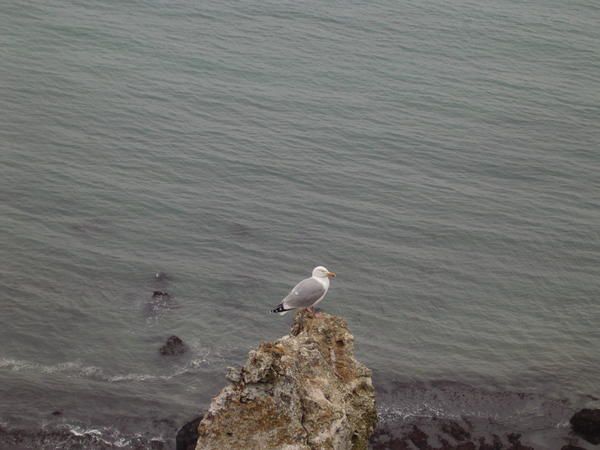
x=442, y=158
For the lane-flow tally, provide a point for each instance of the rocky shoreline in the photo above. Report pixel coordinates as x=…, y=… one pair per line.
x=415, y=433
x=295, y=393
x=307, y=391
x=450, y=415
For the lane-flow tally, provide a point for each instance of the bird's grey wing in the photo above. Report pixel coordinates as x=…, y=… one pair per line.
x=304, y=294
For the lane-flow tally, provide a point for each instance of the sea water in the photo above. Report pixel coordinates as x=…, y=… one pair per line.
x=442, y=157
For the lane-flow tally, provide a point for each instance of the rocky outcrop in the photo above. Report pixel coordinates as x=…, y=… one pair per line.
x=303, y=391
x=586, y=423
x=187, y=436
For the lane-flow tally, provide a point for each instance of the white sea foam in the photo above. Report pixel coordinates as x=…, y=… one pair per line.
x=69, y=367
x=78, y=431
x=394, y=413
x=13, y=364
x=78, y=369
x=110, y=437
x=76, y=435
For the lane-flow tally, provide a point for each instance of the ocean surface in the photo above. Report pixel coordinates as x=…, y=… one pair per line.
x=442, y=157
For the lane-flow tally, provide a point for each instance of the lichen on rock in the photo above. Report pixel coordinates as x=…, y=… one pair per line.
x=303, y=391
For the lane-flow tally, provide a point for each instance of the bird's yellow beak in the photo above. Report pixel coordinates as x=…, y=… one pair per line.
x=330, y=274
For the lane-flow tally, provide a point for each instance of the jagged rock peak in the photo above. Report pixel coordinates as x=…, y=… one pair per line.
x=303, y=391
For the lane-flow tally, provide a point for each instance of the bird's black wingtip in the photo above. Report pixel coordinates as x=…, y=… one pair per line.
x=280, y=308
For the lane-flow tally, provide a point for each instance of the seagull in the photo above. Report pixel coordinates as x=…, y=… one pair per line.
x=308, y=293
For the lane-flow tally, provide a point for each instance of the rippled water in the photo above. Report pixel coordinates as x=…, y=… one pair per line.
x=442, y=158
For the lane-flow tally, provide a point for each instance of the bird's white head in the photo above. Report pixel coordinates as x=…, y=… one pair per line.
x=322, y=272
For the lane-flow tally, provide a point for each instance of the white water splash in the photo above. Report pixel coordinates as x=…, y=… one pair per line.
x=78, y=369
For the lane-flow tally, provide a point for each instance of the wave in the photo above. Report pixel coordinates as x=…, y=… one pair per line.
x=407, y=401
x=69, y=436
x=398, y=413
x=78, y=369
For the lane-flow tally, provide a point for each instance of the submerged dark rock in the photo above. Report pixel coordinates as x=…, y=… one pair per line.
x=586, y=423
x=187, y=436
x=157, y=294
x=161, y=281
x=455, y=430
x=432, y=433
x=161, y=276
x=173, y=346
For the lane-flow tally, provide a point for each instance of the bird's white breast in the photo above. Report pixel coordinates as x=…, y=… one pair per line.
x=325, y=283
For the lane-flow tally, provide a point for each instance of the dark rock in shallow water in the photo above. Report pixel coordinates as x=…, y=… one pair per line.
x=162, y=280
x=434, y=434
x=161, y=276
x=455, y=430
x=418, y=438
x=187, y=436
x=586, y=423
x=156, y=444
x=57, y=413
x=173, y=346
x=157, y=294
x=455, y=416
x=571, y=447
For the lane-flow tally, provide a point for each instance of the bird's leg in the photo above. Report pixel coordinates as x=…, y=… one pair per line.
x=313, y=311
